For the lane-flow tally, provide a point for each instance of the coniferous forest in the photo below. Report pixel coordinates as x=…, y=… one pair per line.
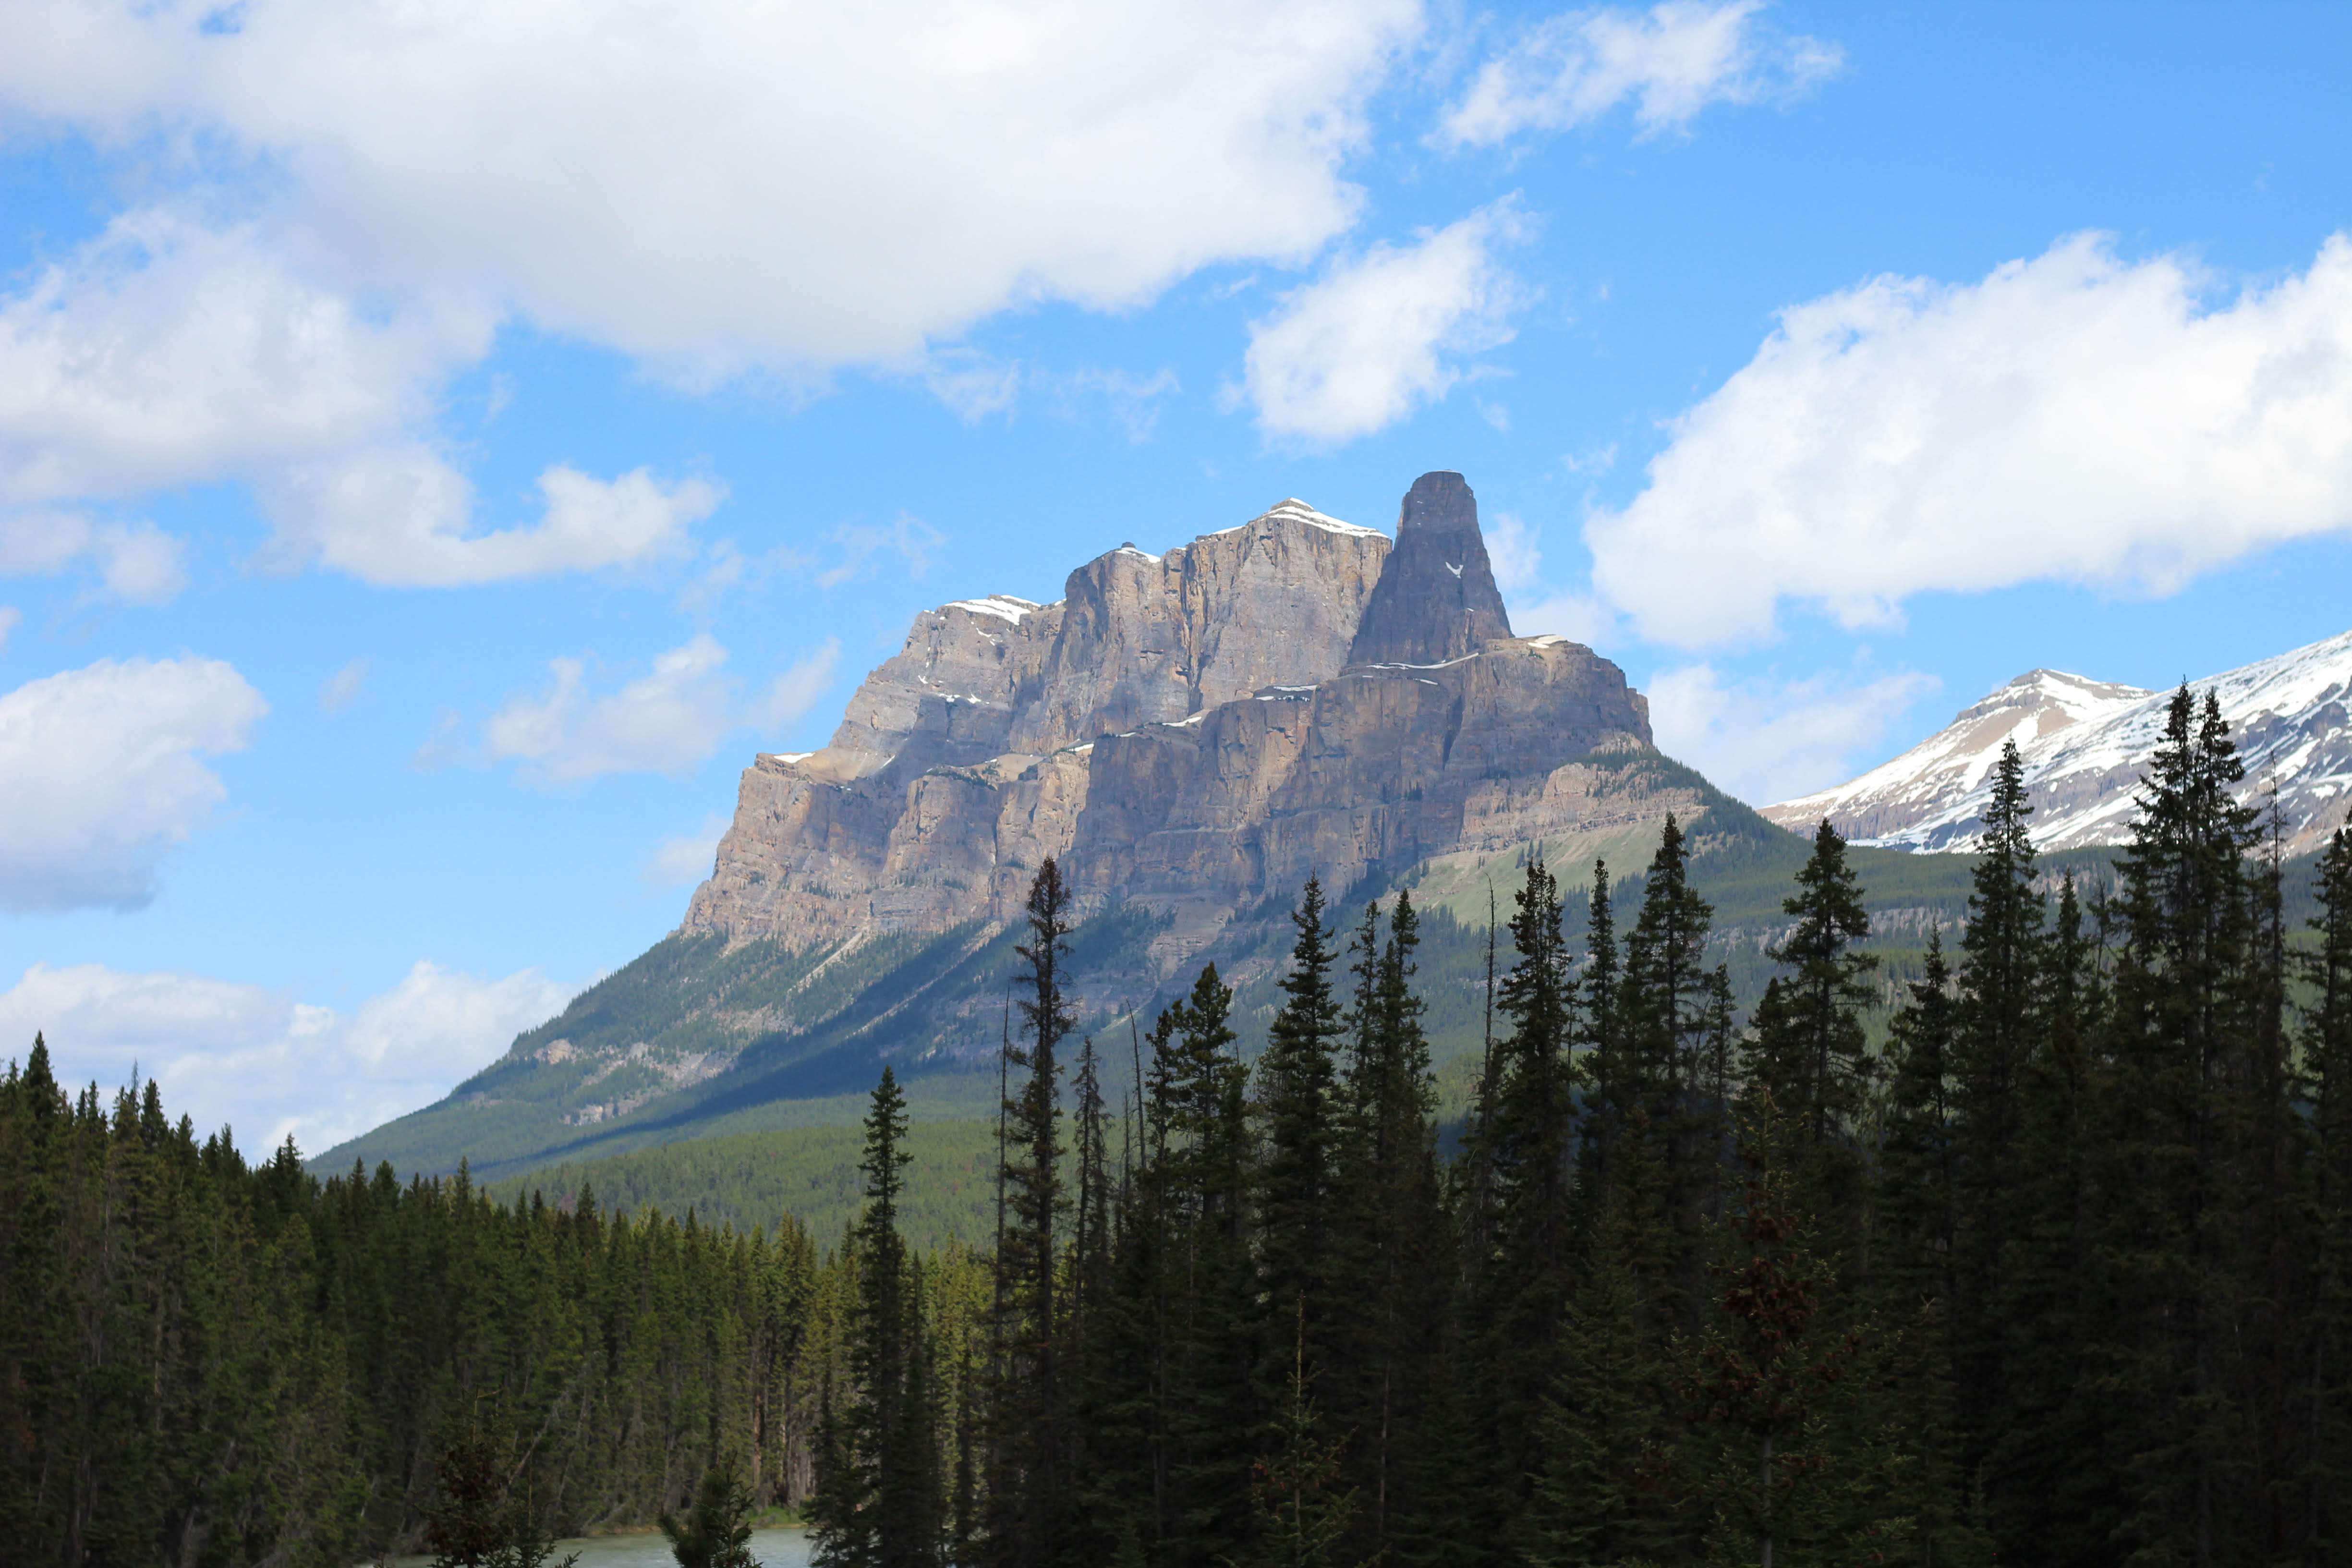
x=2059, y=1273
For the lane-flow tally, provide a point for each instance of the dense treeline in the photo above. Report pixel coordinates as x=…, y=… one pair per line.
x=2059, y=1275
x=207, y=1362
x=2056, y=1268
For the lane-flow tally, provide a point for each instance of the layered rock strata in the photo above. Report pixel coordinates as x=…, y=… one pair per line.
x=1195, y=730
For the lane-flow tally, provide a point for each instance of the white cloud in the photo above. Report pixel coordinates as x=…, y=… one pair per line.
x=135, y=560
x=99, y=767
x=1669, y=62
x=1763, y=742
x=1538, y=606
x=228, y=1053
x=164, y=353
x=397, y=516
x=792, y=694
x=1381, y=333
x=664, y=721
x=10, y=616
x=2071, y=418
x=1512, y=551
x=713, y=185
x=911, y=539
x=684, y=859
x=340, y=690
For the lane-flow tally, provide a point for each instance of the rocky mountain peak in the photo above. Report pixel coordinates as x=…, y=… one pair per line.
x=2086, y=744
x=1437, y=600
x=1192, y=732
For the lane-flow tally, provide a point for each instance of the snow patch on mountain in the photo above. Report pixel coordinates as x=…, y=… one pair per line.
x=2086, y=745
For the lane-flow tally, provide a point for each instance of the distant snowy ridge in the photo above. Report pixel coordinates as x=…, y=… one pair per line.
x=2088, y=744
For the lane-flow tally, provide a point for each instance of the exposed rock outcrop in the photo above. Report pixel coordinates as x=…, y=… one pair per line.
x=1193, y=731
x=1437, y=600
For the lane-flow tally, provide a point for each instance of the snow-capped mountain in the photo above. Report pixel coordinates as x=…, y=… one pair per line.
x=2086, y=744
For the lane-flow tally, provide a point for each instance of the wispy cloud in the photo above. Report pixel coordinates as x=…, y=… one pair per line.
x=669, y=720
x=1766, y=742
x=1668, y=63
x=224, y=1051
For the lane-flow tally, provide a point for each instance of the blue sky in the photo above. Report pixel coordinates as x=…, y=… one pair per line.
x=440, y=445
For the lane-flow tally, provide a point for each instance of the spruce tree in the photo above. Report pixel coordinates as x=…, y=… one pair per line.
x=1518, y=1281
x=1999, y=978
x=1810, y=1052
x=1025, y=1484
x=2326, y=1374
x=1299, y=1105
x=2170, y=1110
x=1669, y=1147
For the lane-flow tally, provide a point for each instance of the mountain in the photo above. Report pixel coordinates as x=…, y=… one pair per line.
x=2086, y=745
x=1191, y=734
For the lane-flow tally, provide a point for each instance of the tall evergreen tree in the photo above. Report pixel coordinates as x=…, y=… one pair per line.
x=883, y=1511
x=2325, y=1376
x=1300, y=1104
x=1810, y=1052
x=2170, y=1105
x=1669, y=1148
x=1032, y=1431
x=2000, y=971
x=1518, y=1281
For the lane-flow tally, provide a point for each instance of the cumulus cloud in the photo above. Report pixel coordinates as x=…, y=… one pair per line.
x=683, y=859
x=221, y=1051
x=1763, y=742
x=711, y=185
x=1381, y=333
x=165, y=353
x=134, y=561
x=1669, y=63
x=2073, y=417
x=1536, y=603
x=399, y=516
x=101, y=771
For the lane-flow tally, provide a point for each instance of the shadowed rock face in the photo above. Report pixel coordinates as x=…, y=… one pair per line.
x=1194, y=731
x=1437, y=599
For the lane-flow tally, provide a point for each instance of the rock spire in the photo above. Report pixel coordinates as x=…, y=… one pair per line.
x=1437, y=600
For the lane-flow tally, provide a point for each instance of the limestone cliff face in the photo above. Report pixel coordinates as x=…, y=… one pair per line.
x=1193, y=731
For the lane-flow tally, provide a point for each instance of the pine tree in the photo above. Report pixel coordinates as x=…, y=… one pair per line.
x=1025, y=1485
x=1298, y=1103
x=1606, y=1073
x=884, y=1511
x=1669, y=1147
x=2326, y=1377
x=2000, y=986
x=1810, y=1052
x=1391, y=1250
x=2170, y=1113
x=1518, y=1281
x=1914, y=1224
x=716, y=1532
